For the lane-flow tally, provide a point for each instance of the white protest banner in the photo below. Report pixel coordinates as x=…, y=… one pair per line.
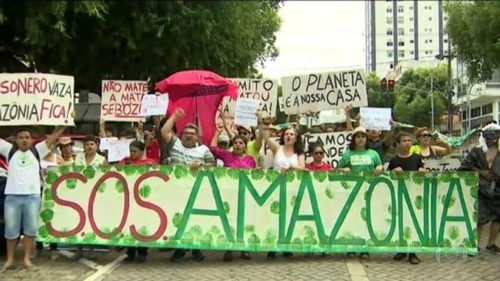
x=122, y=100
x=105, y=143
x=324, y=91
x=281, y=103
x=245, y=112
x=266, y=91
x=118, y=150
x=438, y=165
x=36, y=99
x=153, y=105
x=373, y=118
x=335, y=144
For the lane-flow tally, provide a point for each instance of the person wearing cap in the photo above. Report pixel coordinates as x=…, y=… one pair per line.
x=359, y=158
x=222, y=142
x=65, y=145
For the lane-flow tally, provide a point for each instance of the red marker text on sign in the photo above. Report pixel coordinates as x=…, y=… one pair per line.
x=28, y=85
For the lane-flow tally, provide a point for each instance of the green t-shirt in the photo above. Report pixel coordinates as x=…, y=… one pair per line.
x=360, y=160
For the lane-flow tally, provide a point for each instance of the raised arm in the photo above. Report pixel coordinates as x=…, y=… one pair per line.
x=52, y=138
x=441, y=148
x=200, y=131
x=215, y=139
x=227, y=128
x=166, y=130
x=348, y=122
x=273, y=145
x=139, y=131
x=102, y=128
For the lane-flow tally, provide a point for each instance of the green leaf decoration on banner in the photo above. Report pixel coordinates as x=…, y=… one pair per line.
x=448, y=204
x=233, y=173
x=473, y=190
x=369, y=178
x=253, y=240
x=407, y=233
x=47, y=215
x=418, y=178
x=219, y=172
x=310, y=240
x=145, y=191
x=445, y=244
x=249, y=228
x=416, y=244
x=272, y=175
x=102, y=188
x=453, y=232
x=119, y=187
x=275, y=207
x=227, y=208
x=129, y=170
x=469, y=243
x=292, y=200
x=89, y=172
x=115, y=239
x=78, y=169
x=207, y=238
x=329, y=193
x=142, y=169
x=419, y=202
x=320, y=176
x=214, y=230
x=345, y=185
x=471, y=180
x=71, y=183
x=176, y=220
x=51, y=177
x=120, y=168
x=300, y=174
x=290, y=176
x=63, y=170
x=166, y=170
x=129, y=239
x=180, y=172
x=43, y=231
x=90, y=238
x=48, y=205
x=105, y=168
x=196, y=231
x=257, y=174
x=47, y=195
x=309, y=231
x=271, y=237
x=143, y=230
x=474, y=216
x=297, y=244
x=363, y=213
x=72, y=239
x=445, y=177
x=233, y=231
x=389, y=209
x=388, y=221
x=221, y=239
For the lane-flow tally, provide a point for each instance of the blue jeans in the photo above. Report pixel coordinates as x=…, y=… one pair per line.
x=21, y=211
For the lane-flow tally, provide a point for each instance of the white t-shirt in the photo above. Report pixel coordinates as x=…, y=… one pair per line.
x=23, y=176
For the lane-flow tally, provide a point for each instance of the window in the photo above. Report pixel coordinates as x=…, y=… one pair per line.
x=389, y=54
x=401, y=54
x=445, y=18
x=411, y=19
x=389, y=20
x=426, y=29
x=389, y=10
x=401, y=9
x=411, y=7
x=426, y=52
x=430, y=7
x=464, y=115
x=445, y=41
x=430, y=40
x=401, y=43
x=389, y=44
x=487, y=109
x=430, y=18
x=411, y=30
x=475, y=112
x=430, y=29
x=426, y=41
x=445, y=52
x=411, y=41
x=425, y=7
x=430, y=52
x=389, y=31
x=401, y=20
x=401, y=31
x=412, y=52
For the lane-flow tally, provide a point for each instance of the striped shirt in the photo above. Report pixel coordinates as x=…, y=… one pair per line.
x=184, y=156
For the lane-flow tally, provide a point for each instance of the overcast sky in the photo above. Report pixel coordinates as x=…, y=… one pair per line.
x=319, y=37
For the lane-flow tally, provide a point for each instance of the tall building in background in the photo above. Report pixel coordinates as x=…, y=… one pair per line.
x=398, y=31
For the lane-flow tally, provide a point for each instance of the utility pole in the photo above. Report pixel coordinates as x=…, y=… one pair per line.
x=451, y=112
x=433, y=118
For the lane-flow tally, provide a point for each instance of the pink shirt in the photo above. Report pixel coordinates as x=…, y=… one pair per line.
x=232, y=161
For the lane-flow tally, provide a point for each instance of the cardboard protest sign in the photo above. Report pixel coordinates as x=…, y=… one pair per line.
x=260, y=89
x=259, y=210
x=122, y=100
x=324, y=91
x=335, y=144
x=36, y=99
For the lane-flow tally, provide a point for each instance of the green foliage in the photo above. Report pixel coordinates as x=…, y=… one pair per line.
x=105, y=168
x=48, y=205
x=407, y=233
x=320, y=176
x=257, y=174
x=176, y=220
x=89, y=172
x=119, y=187
x=249, y=228
x=78, y=169
x=51, y=177
x=290, y=176
x=90, y=238
x=129, y=170
x=63, y=169
x=47, y=195
x=271, y=237
x=214, y=230
x=102, y=187
x=329, y=193
x=47, y=215
x=180, y=172
x=419, y=202
x=449, y=203
x=71, y=183
x=345, y=185
x=227, y=208
x=233, y=173
x=142, y=169
x=166, y=170
x=219, y=172
x=253, y=240
x=145, y=191
x=275, y=207
x=272, y=175
x=418, y=178
x=143, y=230
x=453, y=232
x=207, y=238
x=473, y=191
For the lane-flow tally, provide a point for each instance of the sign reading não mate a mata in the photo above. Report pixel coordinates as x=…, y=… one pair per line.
x=259, y=210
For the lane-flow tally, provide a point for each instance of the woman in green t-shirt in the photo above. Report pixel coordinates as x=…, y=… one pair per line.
x=359, y=159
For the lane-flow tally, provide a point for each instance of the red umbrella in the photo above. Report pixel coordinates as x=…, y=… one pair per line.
x=189, y=88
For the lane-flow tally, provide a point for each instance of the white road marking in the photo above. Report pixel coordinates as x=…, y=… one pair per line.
x=106, y=270
x=356, y=270
x=84, y=261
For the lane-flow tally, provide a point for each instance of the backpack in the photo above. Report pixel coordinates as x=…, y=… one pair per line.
x=33, y=150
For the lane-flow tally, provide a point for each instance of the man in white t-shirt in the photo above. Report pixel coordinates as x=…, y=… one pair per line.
x=22, y=192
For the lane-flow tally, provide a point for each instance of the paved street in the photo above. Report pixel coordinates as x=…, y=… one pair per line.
x=108, y=267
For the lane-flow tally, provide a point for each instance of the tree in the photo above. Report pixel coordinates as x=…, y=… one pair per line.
x=472, y=27
x=411, y=101
x=95, y=40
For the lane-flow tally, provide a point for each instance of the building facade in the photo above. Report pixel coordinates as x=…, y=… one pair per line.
x=398, y=31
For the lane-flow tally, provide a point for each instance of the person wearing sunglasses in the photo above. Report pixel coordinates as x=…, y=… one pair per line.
x=425, y=149
x=317, y=151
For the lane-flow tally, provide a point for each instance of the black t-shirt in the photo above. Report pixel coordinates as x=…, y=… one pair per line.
x=412, y=163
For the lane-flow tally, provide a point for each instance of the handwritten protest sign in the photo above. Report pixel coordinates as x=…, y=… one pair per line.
x=36, y=99
x=119, y=150
x=266, y=91
x=245, y=112
x=324, y=91
x=122, y=100
x=105, y=143
x=335, y=144
x=281, y=103
x=259, y=210
x=373, y=118
x=153, y=105
x=439, y=165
